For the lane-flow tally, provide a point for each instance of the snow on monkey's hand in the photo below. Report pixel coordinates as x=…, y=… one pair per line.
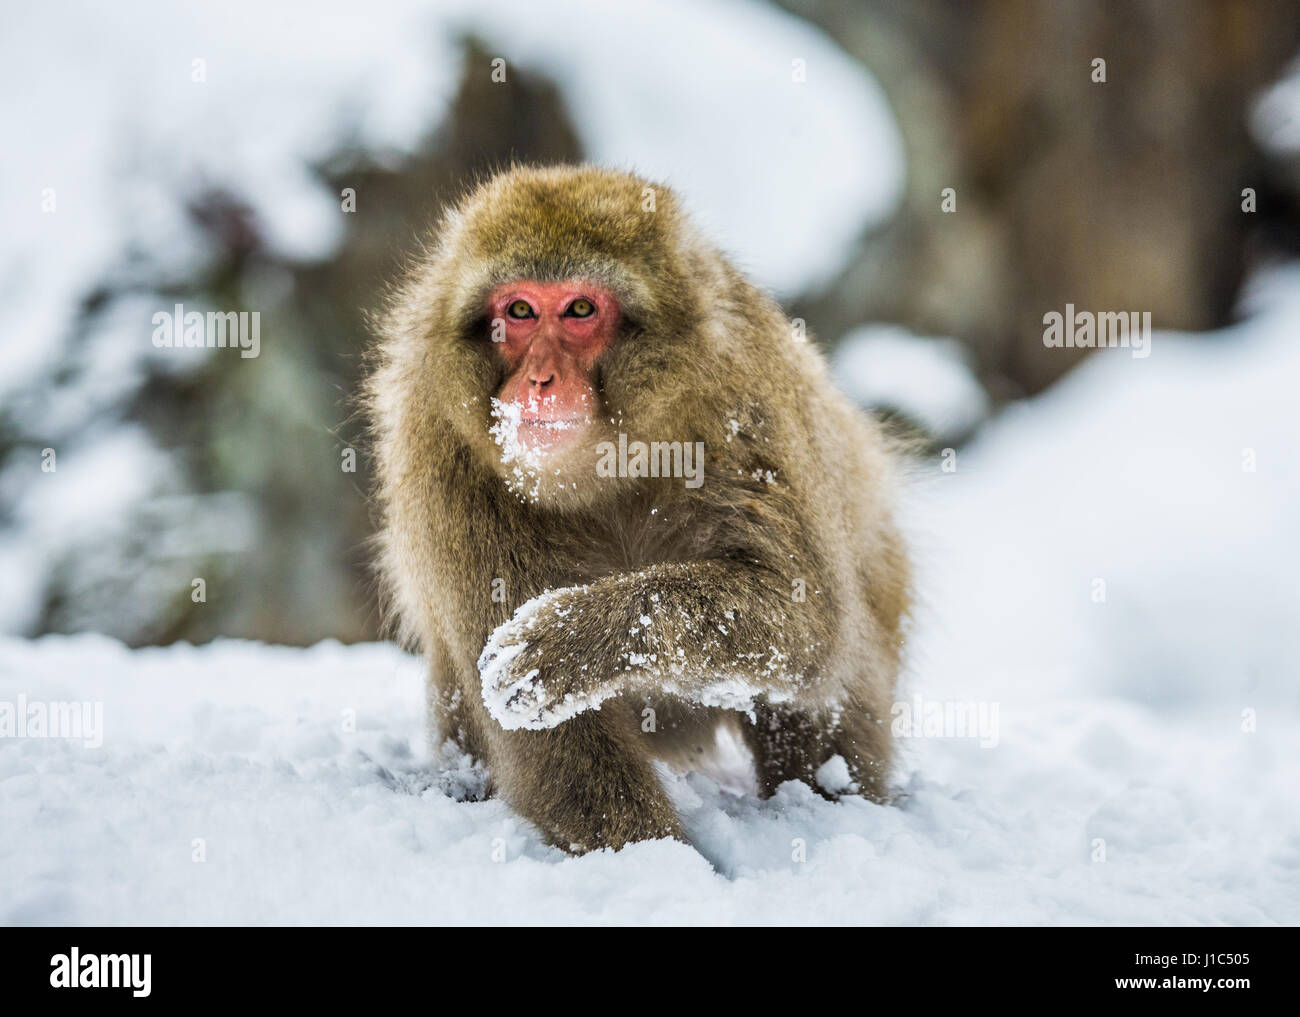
x=534, y=671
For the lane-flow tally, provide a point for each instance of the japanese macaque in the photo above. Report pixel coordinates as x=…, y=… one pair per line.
x=621, y=503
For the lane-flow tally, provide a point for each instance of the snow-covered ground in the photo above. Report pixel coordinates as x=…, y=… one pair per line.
x=1111, y=567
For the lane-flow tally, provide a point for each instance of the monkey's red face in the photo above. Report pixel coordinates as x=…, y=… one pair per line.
x=549, y=335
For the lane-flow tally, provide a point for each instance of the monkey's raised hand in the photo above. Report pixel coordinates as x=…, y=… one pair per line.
x=676, y=628
x=532, y=668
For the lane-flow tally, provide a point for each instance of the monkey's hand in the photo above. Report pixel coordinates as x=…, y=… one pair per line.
x=533, y=668
x=715, y=633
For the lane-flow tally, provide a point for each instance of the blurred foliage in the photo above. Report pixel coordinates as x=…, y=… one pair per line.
x=1122, y=195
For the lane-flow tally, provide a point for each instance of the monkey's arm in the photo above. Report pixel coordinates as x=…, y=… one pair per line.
x=716, y=632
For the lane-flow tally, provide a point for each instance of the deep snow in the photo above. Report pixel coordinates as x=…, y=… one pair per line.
x=1125, y=717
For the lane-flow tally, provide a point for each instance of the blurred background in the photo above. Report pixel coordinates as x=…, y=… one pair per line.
x=238, y=156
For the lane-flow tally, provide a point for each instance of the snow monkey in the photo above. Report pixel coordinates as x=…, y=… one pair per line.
x=620, y=504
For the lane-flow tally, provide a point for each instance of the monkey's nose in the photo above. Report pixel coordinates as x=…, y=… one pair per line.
x=541, y=380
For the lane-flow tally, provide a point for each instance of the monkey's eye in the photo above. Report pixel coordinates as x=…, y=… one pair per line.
x=581, y=308
x=520, y=309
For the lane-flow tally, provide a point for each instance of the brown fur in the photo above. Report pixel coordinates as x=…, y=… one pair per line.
x=797, y=486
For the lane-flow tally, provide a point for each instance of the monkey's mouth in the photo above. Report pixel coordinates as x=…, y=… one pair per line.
x=526, y=431
x=559, y=423
x=549, y=432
